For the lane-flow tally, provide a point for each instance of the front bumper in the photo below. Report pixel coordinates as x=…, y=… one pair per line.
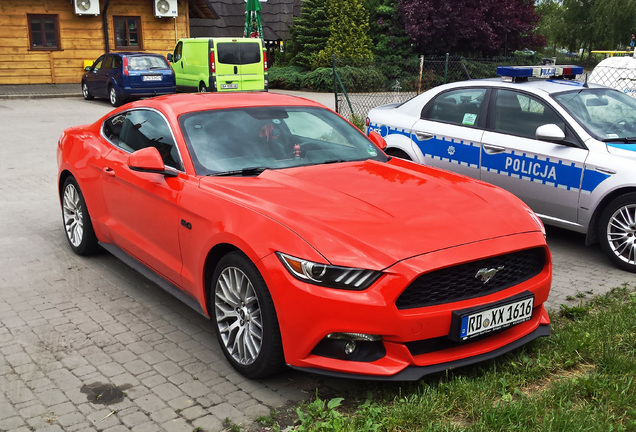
x=308, y=313
x=414, y=373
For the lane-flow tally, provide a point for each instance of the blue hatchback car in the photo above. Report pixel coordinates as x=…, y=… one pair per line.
x=123, y=76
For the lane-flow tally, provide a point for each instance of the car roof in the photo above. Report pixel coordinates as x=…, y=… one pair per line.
x=182, y=103
x=533, y=85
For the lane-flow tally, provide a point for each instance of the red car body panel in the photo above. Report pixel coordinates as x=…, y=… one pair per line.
x=396, y=217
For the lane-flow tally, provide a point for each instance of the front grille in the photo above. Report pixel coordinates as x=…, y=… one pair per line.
x=461, y=282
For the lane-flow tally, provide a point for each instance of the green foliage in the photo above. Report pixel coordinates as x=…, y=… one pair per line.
x=390, y=40
x=309, y=33
x=589, y=24
x=286, y=77
x=348, y=33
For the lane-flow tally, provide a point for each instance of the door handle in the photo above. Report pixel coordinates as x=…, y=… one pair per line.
x=491, y=149
x=423, y=135
x=235, y=70
x=109, y=171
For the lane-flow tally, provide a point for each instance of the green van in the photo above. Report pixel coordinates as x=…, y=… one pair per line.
x=219, y=64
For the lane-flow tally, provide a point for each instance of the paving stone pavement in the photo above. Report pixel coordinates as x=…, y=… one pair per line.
x=87, y=344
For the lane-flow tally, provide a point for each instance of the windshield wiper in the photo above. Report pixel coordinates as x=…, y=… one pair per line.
x=249, y=171
x=626, y=140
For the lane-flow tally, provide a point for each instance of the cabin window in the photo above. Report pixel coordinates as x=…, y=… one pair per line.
x=44, y=32
x=127, y=33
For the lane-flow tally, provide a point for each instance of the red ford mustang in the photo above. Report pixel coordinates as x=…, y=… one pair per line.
x=301, y=240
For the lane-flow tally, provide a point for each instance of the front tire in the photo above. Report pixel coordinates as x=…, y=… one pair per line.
x=77, y=221
x=86, y=92
x=115, y=99
x=245, y=318
x=617, y=231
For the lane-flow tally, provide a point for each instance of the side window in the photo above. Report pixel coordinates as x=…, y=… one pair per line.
x=108, y=62
x=116, y=62
x=178, y=52
x=138, y=129
x=460, y=107
x=112, y=127
x=521, y=114
x=98, y=63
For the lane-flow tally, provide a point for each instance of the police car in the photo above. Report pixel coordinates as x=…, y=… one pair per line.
x=565, y=147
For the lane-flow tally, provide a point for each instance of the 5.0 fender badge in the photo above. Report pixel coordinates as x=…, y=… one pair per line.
x=486, y=274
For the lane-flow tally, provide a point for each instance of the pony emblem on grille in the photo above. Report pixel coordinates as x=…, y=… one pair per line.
x=486, y=274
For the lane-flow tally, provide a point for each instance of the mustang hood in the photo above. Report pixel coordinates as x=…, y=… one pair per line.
x=379, y=213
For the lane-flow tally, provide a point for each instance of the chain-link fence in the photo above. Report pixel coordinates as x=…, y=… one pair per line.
x=396, y=83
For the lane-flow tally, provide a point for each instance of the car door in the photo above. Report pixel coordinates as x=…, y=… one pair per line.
x=450, y=129
x=94, y=78
x=143, y=208
x=545, y=175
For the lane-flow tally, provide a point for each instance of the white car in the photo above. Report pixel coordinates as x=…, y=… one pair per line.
x=567, y=148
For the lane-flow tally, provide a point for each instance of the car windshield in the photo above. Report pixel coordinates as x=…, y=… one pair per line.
x=608, y=115
x=246, y=141
x=139, y=63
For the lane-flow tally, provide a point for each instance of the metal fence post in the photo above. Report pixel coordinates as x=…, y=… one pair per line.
x=335, y=85
x=446, y=69
x=419, y=83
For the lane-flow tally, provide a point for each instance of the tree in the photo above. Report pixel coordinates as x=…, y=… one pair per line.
x=348, y=32
x=590, y=24
x=469, y=26
x=387, y=31
x=310, y=33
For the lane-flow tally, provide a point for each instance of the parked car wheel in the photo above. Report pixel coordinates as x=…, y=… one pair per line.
x=618, y=231
x=399, y=154
x=86, y=92
x=77, y=222
x=246, y=323
x=115, y=99
x=203, y=88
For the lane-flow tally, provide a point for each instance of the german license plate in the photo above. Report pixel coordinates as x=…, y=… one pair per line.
x=494, y=317
x=229, y=86
x=151, y=78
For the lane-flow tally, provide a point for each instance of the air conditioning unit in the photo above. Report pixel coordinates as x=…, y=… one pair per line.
x=86, y=7
x=166, y=8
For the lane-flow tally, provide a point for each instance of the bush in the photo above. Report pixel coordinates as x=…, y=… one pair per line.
x=286, y=78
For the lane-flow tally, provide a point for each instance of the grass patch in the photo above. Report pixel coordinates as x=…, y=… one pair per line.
x=581, y=378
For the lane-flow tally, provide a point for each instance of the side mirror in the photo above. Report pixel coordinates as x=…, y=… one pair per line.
x=149, y=160
x=169, y=57
x=377, y=139
x=550, y=132
x=88, y=68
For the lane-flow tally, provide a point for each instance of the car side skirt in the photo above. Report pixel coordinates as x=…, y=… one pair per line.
x=414, y=373
x=154, y=277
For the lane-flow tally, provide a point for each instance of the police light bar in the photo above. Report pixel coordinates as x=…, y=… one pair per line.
x=522, y=73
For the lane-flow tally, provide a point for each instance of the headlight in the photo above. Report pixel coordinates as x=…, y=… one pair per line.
x=327, y=275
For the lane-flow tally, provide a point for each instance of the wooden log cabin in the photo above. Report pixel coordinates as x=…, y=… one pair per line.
x=50, y=41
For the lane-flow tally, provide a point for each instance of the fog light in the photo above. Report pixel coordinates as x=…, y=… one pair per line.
x=354, y=337
x=350, y=347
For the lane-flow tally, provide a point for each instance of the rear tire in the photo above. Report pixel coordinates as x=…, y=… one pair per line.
x=617, y=231
x=115, y=99
x=203, y=88
x=399, y=154
x=246, y=323
x=77, y=221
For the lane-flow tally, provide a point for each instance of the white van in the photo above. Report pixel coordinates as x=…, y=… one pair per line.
x=618, y=73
